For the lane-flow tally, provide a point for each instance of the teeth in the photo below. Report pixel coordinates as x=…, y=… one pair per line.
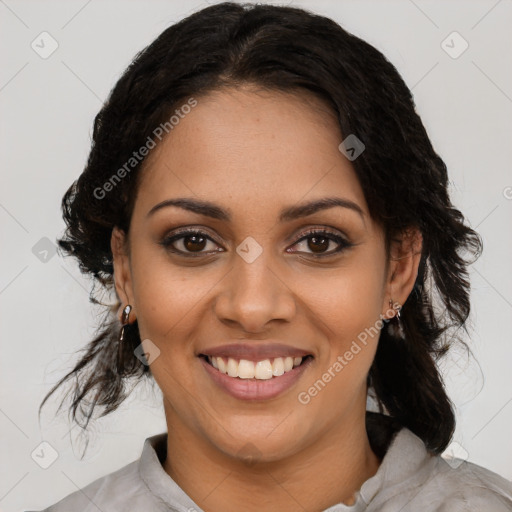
x=245, y=368
x=232, y=368
x=278, y=366
x=220, y=364
x=262, y=370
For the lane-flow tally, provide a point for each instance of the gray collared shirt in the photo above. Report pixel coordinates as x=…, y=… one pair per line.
x=409, y=479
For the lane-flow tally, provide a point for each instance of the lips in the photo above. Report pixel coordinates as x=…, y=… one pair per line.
x=262, y=380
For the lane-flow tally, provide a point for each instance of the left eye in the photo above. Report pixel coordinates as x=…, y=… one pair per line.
x=319, y=241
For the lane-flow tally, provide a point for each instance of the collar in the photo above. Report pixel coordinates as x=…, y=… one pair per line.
x=158, y=482
x=406, y=457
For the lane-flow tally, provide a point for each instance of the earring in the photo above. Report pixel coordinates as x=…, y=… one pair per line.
x=124, y=321
x=395, y=324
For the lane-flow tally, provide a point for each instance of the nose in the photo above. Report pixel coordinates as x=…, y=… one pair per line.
x=254, y=294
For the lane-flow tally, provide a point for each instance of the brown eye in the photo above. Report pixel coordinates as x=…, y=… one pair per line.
x=189, y=243
x=318, y=244
x=319, y=241
x=194, y=243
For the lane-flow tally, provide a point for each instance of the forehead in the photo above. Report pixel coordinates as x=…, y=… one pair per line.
x=250, y=145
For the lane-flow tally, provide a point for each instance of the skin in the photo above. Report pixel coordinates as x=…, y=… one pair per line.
x=254, y=153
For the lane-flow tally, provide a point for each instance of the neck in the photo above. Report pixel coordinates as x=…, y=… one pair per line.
x=328, y=472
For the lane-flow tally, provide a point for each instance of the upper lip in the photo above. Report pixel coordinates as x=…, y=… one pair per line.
x=254, y=351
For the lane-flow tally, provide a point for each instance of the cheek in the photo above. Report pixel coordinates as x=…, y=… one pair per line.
x=340, y=374
x=167, y=302
x=168, y=309
x=348, y=301
x=350, y=315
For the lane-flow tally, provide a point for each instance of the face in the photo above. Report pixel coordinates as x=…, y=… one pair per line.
x=257, y=275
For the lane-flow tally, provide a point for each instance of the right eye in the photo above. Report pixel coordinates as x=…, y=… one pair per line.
x=189, y=243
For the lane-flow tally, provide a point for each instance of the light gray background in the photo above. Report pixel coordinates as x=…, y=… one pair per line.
x=47, y=110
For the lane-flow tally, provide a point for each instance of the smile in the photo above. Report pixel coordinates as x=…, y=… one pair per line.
x=255, y=380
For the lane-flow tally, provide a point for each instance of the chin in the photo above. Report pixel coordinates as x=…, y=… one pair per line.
x=254, y=450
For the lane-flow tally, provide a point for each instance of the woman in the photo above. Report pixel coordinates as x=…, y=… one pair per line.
x=267, y=205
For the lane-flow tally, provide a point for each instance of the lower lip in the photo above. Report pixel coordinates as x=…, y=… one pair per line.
x=255, y=389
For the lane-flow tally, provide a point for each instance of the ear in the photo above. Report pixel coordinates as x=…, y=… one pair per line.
x=404, y=260
x=122, y=269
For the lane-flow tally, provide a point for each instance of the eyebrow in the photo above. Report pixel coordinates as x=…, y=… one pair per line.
x=288, y=214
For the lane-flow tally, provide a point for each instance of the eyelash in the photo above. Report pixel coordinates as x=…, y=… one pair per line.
x=169, y=240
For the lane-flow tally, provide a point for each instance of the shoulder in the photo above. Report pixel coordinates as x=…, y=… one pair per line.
x=124, y=489
x=115, y=491
x=467, y=487
x=411, y=479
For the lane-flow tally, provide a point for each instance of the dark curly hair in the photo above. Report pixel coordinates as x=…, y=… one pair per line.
x=403, y=179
